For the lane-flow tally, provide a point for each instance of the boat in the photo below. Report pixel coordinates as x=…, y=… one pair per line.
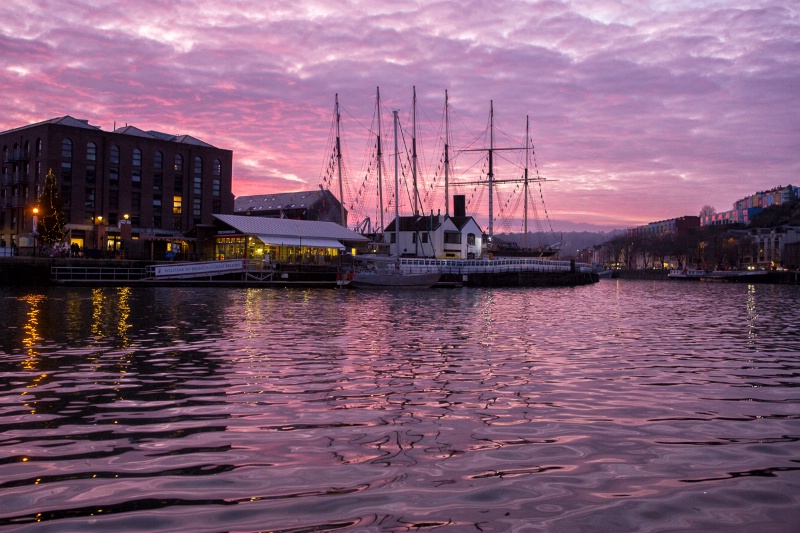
x=498, y=264
x=392, y=279
x=693, y=274
x=735, y=276
x=385, y=273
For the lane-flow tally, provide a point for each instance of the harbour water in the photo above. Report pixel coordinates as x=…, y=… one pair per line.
x=619, y=406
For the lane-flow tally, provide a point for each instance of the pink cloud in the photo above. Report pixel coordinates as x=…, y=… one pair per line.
x=637, y=113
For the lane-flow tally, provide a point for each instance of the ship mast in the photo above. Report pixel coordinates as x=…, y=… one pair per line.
x=396, y=189
x=525, y=186
x=380, y=161
x=491, y=169
x=339, y=164
x=414, y=149
x=446, y=156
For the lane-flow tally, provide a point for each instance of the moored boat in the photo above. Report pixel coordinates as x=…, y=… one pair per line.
x=686, y=274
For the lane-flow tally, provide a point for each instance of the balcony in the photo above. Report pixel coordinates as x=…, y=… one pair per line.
x=17, y=155
x=18, y=178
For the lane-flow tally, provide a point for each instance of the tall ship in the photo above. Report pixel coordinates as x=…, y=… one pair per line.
x=451, y=244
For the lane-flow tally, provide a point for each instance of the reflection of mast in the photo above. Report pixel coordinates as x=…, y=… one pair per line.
x=380, y=161
x=339, y=163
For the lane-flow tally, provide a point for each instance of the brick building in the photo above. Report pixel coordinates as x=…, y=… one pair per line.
x=159, y=185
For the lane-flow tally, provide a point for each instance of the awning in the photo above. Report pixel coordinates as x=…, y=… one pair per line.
x=300, y=241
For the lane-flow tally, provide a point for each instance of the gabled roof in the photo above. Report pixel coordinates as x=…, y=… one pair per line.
x=283, y=227
x=272, y=202
x=416, y=223
x=133, y=130
x=461, y=222
x=66, y=120
x=72, y=122
x=188, y=139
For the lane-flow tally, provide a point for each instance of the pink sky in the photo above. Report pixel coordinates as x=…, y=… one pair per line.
x=640, y=110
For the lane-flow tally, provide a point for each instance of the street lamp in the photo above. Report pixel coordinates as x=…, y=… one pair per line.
x=125, y=232
x=34, y=233
x=99, y=224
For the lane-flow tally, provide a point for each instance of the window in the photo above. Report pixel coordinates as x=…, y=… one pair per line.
x=66, y=171
x=136, y=178
x=157, y=179
x=216, y=206
x=156, y=221
x=424, y=238
x=115, y=155
x=196, y=207
x=91, y=173
x=113, y=200
x=113, y=177
x=158, y=161
x=38, y=147
x=198, y=176
x=136, y=202
x=178, y=186
x=471, y=239
x=217, y=168
x=91, y=152
x=216, y=186
x=137, y=158
x=157, y=200
x=66, y=149
x=176, y=204
x=178, y=163
x=89, y=201
x=176, y=223
x=66, y=194
x=452, y=237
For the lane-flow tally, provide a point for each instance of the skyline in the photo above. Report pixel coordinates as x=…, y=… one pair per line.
x=638, y=112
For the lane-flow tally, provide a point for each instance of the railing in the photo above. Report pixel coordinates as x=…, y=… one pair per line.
x=487, y=266
x=80, y=273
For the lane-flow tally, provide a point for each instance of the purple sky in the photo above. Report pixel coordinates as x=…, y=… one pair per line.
x=640, y=110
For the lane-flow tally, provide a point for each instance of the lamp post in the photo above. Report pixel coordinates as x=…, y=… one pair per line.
x=125, y=232
x=99, y=233
x=34, y=232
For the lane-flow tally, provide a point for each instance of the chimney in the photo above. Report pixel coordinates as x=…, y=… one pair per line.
x=459, y=205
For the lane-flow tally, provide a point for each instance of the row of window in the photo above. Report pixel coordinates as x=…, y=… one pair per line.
x=158, y=158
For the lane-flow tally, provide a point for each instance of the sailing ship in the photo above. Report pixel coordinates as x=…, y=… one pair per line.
x=375, y=274
x=496, y=263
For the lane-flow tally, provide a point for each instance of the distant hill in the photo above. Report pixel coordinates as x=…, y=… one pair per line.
x=787, y=214
x=571, y=241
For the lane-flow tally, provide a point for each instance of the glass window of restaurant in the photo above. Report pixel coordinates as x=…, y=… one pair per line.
x=230, y=247
x=288, y=254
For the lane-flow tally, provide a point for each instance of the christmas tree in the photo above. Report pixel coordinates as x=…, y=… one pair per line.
x=51, y=213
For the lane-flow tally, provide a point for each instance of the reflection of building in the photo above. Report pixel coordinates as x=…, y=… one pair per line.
x=166, y=184
x=277, y=240
x=319, y=205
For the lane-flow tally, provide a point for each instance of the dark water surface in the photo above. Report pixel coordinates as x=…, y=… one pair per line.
x=622, y=406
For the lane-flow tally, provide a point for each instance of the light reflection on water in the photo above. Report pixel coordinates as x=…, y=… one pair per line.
x=623, y=406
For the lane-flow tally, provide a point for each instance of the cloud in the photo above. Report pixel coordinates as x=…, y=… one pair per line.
x=638, y=111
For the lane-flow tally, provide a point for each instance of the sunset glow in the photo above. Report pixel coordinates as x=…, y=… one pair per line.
x=638, y=113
